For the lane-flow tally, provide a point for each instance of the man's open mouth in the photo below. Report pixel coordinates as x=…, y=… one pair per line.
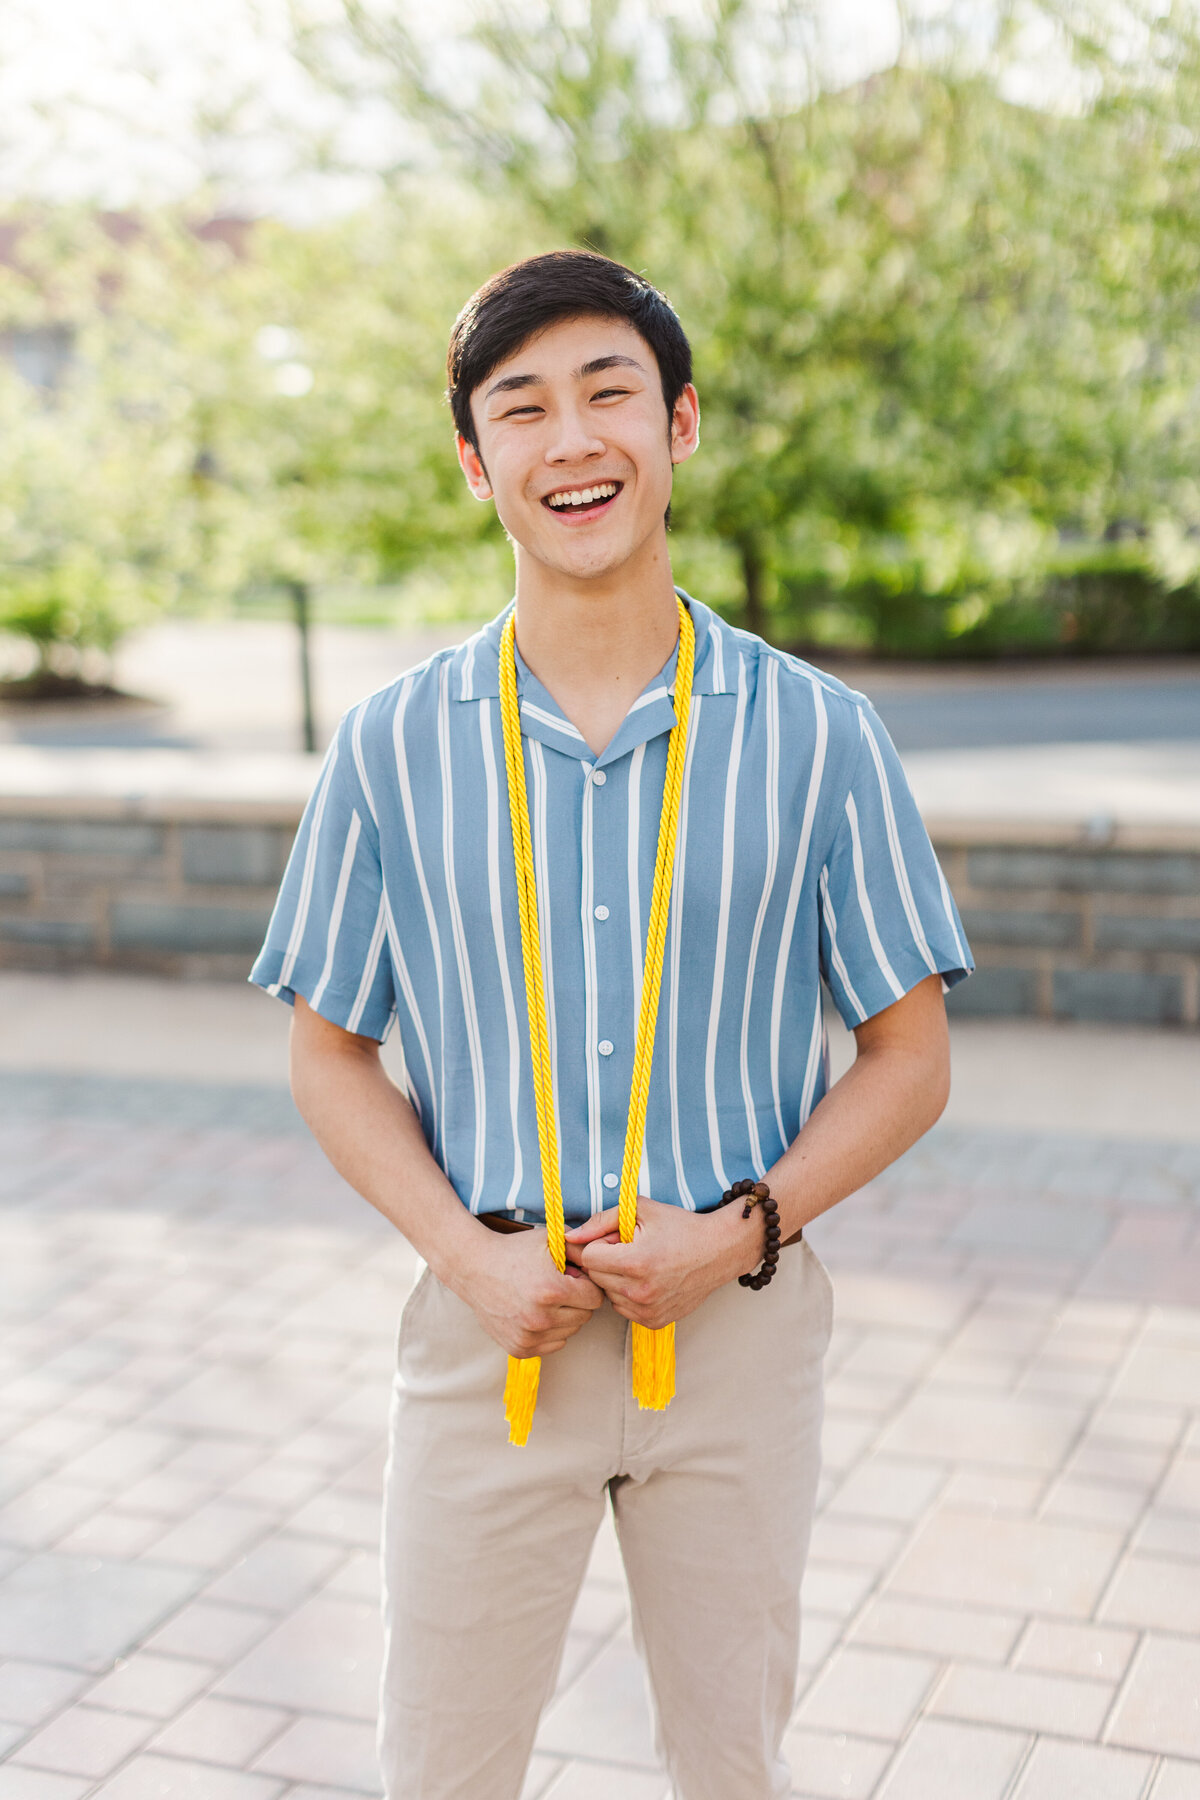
x=583, y=502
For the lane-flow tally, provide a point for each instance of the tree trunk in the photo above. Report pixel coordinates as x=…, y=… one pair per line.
x=300, y=612
x=752, y=577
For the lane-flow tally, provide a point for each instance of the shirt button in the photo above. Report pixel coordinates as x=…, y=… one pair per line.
x=612, y=1181
x=599, y=777
x=604, y=1047
x=601, y=912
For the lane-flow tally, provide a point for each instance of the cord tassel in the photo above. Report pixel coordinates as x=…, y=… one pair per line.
x=520, y=1396
x=653, y=1351
x=653, y=1367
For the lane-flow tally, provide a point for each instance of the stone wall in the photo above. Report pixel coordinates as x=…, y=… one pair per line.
x=1060, y=928
x=177, y=895
x=1070, y=931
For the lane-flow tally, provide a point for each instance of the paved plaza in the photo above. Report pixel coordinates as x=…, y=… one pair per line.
x=1003, y=1599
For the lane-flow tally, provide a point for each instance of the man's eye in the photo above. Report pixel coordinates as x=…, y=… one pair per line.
x=611, y=394
x=516, y=412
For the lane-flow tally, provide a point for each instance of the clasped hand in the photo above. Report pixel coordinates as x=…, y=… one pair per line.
x=676, y=1260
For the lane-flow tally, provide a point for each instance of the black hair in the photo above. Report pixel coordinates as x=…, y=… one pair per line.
x=530, y=296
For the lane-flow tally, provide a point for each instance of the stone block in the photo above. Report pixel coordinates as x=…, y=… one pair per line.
x=324, y=1657
x=57, y=934
x=84, y=1612
x=1036, y=1226
x=1159, y=1709
x=13, y=884
x=31, y=1692
x=234, y=855
x=211, y=1535
x=1118, y=995
x=1019, y=926
x=943, y=1760
x=835, y=1765
x=85, y=1740
x=1067, y=1705
x=1142, y=931
x=1177, y=1781
x=334, y=1752
x=603, y=1716
x=164, y=925
x=870, y=1692
x=996, y=993
x=221, y=1731
x=209, y=1633
x=153, y=1686
x=1022, y=1435
x=1082, y=871
x=1156, y=1593
x=82, y=837
x=1063, y=1648
x=969, y=1559
x=1083, y=1772
x=948, y=1631
x=150, y=1777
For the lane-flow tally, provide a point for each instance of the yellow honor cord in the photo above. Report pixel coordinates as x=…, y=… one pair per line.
x=653, y=1351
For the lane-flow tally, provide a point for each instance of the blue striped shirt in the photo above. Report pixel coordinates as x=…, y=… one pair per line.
x=801, y=856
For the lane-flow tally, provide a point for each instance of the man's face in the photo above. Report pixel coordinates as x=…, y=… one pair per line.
x=575, y=447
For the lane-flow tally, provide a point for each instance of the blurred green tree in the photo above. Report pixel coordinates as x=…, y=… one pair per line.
x=222, y=409
x=945, y=341
x=88, y=464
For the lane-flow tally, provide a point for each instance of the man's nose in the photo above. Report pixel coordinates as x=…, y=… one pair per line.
x=573, y=439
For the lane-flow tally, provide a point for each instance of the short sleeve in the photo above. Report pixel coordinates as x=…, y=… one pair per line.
x=887, y=917
x=327, y=939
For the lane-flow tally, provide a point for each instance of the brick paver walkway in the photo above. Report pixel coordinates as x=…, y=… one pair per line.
x=1003, y=1601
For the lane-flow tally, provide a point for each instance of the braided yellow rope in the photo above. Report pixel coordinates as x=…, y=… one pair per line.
x=653, y=1351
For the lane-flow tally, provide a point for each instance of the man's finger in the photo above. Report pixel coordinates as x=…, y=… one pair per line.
x=606, y=1258
x=616, y=1287
x=598, y=1226
x=583, y=1295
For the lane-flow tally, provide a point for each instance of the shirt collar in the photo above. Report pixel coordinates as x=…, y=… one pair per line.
x=475, y=675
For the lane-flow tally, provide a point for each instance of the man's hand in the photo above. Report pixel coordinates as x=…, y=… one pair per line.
x=520, y=1298
x=676, y=1260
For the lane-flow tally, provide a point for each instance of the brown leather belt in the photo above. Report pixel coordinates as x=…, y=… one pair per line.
x=501, y=1222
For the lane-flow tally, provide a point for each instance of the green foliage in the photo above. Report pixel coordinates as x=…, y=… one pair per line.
x=946, y=343
x=937, y=333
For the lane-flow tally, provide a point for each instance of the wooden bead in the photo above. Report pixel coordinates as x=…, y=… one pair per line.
x=758, y=1193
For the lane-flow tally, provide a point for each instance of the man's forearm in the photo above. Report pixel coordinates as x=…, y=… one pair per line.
x=371, y=1135
x=888, y=1098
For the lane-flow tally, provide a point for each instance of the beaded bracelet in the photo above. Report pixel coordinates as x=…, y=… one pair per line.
x=757, y=1193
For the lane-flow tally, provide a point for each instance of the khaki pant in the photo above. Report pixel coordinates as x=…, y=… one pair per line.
x=485, y=1545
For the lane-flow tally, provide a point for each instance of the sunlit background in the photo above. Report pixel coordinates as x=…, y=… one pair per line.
x=939, y=265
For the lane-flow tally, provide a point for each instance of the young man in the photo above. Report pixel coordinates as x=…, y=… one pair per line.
x=794, y=854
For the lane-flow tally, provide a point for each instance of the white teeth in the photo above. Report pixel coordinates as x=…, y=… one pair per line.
x=584, y=496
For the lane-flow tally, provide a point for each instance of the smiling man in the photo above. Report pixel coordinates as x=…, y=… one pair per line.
x=599, y=864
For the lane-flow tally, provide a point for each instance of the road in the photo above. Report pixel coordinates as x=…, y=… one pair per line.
x=236, y=687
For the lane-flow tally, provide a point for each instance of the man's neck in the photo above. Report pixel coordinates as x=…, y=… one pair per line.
x=595, y=644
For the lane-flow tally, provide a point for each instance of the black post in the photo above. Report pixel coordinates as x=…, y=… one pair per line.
x=299, y=591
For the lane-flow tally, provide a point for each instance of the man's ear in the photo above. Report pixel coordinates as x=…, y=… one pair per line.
x=685, y=425
x=471, y=464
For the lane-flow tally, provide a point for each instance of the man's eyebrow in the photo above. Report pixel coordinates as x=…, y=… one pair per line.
x=510, y=383
x=600, y=363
